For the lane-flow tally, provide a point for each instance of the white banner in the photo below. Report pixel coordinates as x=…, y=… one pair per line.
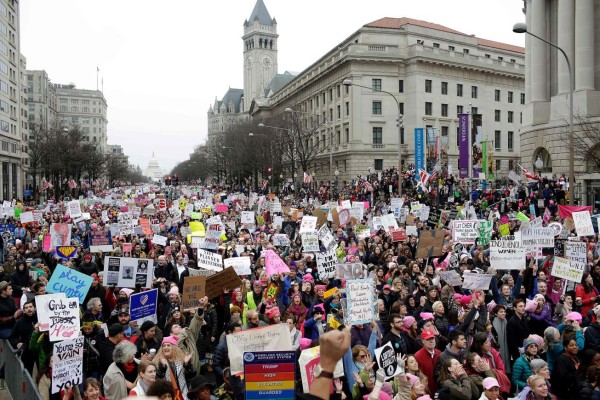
x=507, y=254
x=537, y=237
x=360, y=299
x=241, y=265
x=308, y=224
x=67, y=364
x=211, y=261
x=562, y=268
x=576, y=253
x=326, y=264
x=473, y=281
x=310, y=242
x=465, y=231
x=128, y=272
x=74, y=208
x=451, y=277
x=583, y=223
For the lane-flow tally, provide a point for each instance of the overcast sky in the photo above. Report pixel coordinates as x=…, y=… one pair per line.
x=164, y=61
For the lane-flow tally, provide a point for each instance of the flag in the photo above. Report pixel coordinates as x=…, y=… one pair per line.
x=529, y=175
x=433, y=176
x=366, y=184
x=265, y=182
x=307, y=178
x=424, y=180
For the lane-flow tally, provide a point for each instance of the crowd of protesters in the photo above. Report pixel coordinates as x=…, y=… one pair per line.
x=531, y=335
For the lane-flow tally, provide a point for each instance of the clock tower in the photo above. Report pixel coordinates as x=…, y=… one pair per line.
x=260, y=52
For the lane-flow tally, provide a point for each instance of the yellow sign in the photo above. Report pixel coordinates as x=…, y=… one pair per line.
x=504, y=230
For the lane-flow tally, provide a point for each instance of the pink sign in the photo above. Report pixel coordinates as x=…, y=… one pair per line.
x=47, y=243
x=274, y=264
x=222, y=208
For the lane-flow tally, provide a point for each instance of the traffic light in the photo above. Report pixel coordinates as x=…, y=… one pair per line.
x=176, y=180
x=168, y=181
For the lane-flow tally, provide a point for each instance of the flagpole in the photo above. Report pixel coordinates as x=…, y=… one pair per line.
x=97, y=71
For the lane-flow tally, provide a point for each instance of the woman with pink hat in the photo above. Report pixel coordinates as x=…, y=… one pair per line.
x=173, y=365
x=296, y=311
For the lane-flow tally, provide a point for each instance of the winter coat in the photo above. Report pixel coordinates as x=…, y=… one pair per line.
x=40, y=345
x=461, y=389
x=519, y=331
x=447, y=354
x=91, y=354
x=538, y=322
x=587, y=299
x=88, y=268
x=311, y=331
x=220, y=360
x=208, y=330
x=563, y=377
x=20, y=280
x=114, y=383
x=442, y=324
x=521, y=370
x=554, y=351
x=188, y=339
x=592, y=336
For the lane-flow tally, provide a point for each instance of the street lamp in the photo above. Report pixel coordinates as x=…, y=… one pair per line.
x=539, y=164
x=289, y=110
x=521, y=27
x=348, y=82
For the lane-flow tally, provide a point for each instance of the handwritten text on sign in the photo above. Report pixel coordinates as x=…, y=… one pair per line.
x=67, y=363
x=538, y=237
x=361, y=297
x=563, y=268
x=58, y=315
x=507, y=254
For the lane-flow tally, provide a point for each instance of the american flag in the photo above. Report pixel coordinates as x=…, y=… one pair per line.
x=307, y=178
x=424, y=177
x=529, y=175
x=265, y=182
x=366, y=184
x=46, y=185
x=433, y=176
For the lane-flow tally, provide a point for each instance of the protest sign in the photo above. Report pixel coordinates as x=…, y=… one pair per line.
x=326, y=237
x=26, y=217
x=60, y=235
x=58, y=315
x=562, y=268
x=308, y=360
x=226, y=279
x=361, y=297
x=159, y=239
x=74, y=209
x=66, y=252
x=67, y=364
x=289, y=228
x=430, y=243
x=213, y=237
x=208, y=260
x=280, y=240
x=349, y=271
x=241, y=265
x=310, y=242
x=128, y=272
x=268, y=338
x=576, y=253
x=399, y=235
x=143, y=304
x=485, y=232
x=247, y=217
x=389, y=222
x=583, y=223
x=386, y=360
x=504, y=229
x=69, y=282
x=507, y=254
x=326, y=263
x=473, y=281
x=522, y=217
x=537, y=237
x=270, y=374
x=100, y=241
x=308, y=224
x=451, y=277
x=194, y=288
x=274, y=264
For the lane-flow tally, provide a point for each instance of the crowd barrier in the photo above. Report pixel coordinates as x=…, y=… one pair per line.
x=17, y=379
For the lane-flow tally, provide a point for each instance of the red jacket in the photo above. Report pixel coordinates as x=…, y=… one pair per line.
x=427, y=365
x=587, y=299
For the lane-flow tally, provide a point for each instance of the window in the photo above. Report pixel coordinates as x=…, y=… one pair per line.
x=466, y=51
x=459, y=89
x=451, y=48
x=444, y=110
x=3, y=106
x=376, y=84
x=64, y=101
x=427, y=85
x=428, y=108
x=330, y=94
x=401, y=86
x=511, y=165
x=457, y=135
x=378, y=164
x=401, y=108
x=444, y=131
x=510, y=97
x=316, y=102
x=85, y=102
x=376, y=108
x=497, y=115
x=347, y=133
x=444, y=87
x=377, y=135
x=459, y=110
x=421, y=42
x=500, y=58
x=510, y=116
x=4, y=145
x=497, y=95
x=3, y=48
x=4, y=86
x=498, y=165
x=85, y=109
x=474, y=110
x=497, y=140
x=510, y=139
x=512, y=60
x=473, y=92
x=522, y=98
x=339, y=111
x=436, y=45
x=74, y=101
x=4, y=126
x=347, y=108
x=487, y=56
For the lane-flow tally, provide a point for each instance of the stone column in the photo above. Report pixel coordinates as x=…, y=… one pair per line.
x=584, y=39
x=527, y=52
x=539, y=52
x=566, y=39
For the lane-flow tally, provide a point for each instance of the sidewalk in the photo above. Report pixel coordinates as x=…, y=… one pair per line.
x=5, y=394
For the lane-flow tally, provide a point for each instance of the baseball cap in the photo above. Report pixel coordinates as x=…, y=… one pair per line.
x=489, y=383
x=387, y=287
x=427, y=334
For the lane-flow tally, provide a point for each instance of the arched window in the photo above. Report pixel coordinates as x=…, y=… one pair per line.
x=546, y=159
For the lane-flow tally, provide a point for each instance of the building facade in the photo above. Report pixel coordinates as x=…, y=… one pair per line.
x=42, y=100
x=433, y=72
x=574, y=26
x=154, y=171
x=86, y=109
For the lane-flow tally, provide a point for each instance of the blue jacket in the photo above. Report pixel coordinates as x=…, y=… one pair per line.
x=520, y=372
x=310, y=329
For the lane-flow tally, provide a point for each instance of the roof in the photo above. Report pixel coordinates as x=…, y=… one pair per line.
x=234, y=96
x=261, y=13
x=279, y=81
x=397, y=23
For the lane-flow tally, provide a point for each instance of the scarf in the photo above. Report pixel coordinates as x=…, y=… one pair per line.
x=176, y=376
x=500, y=327
x=298, y=310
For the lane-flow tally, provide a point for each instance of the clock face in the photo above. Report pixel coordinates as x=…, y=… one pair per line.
x=267, y=62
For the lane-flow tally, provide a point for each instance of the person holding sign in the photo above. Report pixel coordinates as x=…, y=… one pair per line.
x=174, y=366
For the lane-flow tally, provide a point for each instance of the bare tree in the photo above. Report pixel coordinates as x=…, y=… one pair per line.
x=586, y=140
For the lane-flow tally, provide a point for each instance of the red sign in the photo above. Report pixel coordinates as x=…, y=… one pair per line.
x=399, y=235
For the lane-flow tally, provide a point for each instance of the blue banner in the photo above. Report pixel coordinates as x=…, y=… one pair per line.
x=70, y=282
x=143, y=304
x=419, y=150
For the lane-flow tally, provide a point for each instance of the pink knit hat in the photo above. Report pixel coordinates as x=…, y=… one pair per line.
x=304, y=343
x=173, y=340
x=426, y=316
x=574, y=316
x=127, y=291
x=408, y=322
x=382, y=396
x=308, y=277
x=412, y=379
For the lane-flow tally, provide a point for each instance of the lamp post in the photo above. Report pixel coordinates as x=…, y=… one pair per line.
x=290, y=133
x=348, y=82
x=289, y=110
x=539, y=164
x=337, y=174
x=521, y=27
